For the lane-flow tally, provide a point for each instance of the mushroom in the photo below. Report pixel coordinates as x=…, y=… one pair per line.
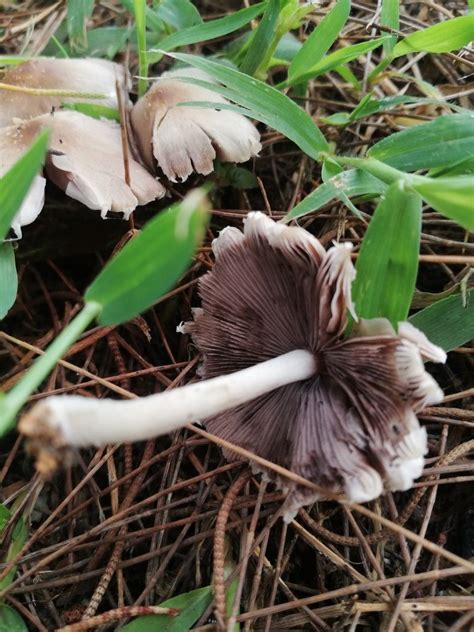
x=280, y=379
x=83, y=76
x=186, y=139
x=14, y=141
x=85, y=159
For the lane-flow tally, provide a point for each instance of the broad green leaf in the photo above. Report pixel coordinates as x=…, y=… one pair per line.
x=18, y=539
x=96, y=111
x=336, y=59
x=265, y=103
x=390, y=16
x=11, y=620
x=15, y=183
x=440, y=38
x=453, y=197
x=443, y=141
x=320, y=40
x=8, y=278
x=387, y=264
x=78, y=12
x=448, y=323
x=262, y=38
x=151, y=263
x=179, y=14
x=191, y=604
x=206, y=31
x=353, y=183
x=139, y=12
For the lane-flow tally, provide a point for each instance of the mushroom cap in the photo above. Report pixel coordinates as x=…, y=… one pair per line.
x=14, y=141
x=85, y=159
x=352, y=427
x=183, y=139
x=89, y=76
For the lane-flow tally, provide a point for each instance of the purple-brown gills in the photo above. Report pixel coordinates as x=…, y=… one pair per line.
x=279, y=378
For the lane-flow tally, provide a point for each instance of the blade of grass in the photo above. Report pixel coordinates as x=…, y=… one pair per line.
x=8, y=278
x=139, y=8
x=14, y=184
x=388, y=260
x=192, y=605
x=453, y=197
x=390, y=16
x=320, y=40
x=133, y=280
x=262, y=38
x=206, y=31
x=336, y=59
x=96, y=111
x=265, y=103
x=449, y=322
x=440, y=38
x=78, y=12
x=179, y=14
x=10, y=620
x=440, y=142
x=353, y=182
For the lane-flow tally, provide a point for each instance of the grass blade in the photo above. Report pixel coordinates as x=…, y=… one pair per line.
x=8, y=278
x=443, y=141
x=10, y=620
x=265, y=103
x=78, y=12
x=262, y=38
x=139, y=8
x=191, y=604
x=179, y=14
x=206, y=31
x=448, y=323
x=15, y=184
x=336, y=59
x=388, y=260
x=320, y=40
x=390, y=16
x=151, y=263
x=440, y=38
x=453, y=197
x=353, y=183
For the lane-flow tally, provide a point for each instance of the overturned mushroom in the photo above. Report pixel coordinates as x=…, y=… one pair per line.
x=85, y=159
x=281, y=381
x=184, y=139
x=84, y=76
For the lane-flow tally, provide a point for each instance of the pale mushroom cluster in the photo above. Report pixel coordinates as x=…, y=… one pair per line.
x=86, y=154
x=279, y=378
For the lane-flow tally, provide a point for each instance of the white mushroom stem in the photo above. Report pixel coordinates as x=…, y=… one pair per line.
x=82, y=421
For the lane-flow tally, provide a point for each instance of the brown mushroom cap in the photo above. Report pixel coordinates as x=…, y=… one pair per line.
x=88, y=76
x=274, y=289
x=184, y=139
